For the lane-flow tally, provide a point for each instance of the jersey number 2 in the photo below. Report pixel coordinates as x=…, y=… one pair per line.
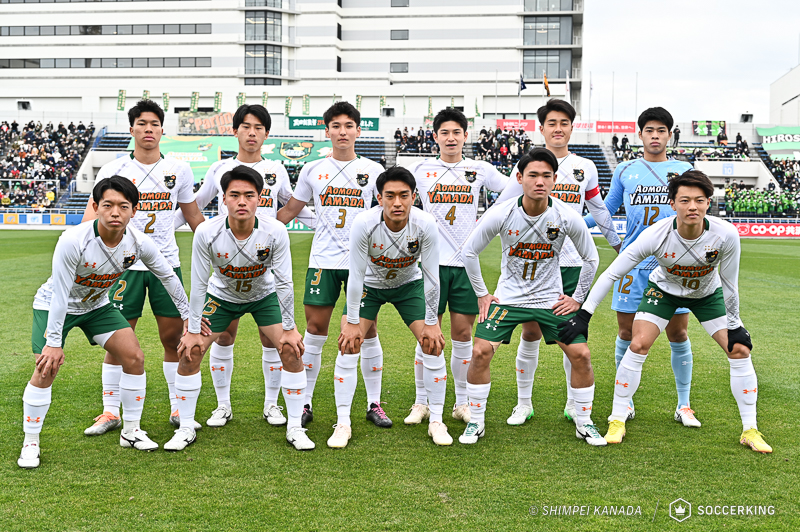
x=149, y=227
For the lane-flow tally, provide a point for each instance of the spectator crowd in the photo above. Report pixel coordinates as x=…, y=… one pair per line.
x=773, y=203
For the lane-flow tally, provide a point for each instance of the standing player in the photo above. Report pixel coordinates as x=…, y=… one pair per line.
x=698, y=268
x=387, y=243
x=341, y=186
x=86, y=262
x=252, y=274
x=165, y=185
x=449, y=187
x=642, y=186
x=251, y=125
x=576, y=184
x=533, y=229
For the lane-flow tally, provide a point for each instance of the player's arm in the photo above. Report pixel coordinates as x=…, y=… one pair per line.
x=513, y=188
x=351, y=337
x=152, y=258
x=614, y=198
x=186, y=200
x=429, y=257
x=201, y=271
x=282, y=271
x=497, y=181
x=192, y=214
x=66, y=258
x=203, y=197
x=301, y=195
x=306, y=215
x=579, y=234
x=731, y=252
x=599, y=211
x=491, y=224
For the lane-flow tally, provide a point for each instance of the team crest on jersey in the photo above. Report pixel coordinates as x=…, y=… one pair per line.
x=471, y=176
x=128, y=260
x=296, y=150
x=577, y=173
x=364, y=294
x=652, y=292
x=670, y=175
x=413, y=247
x=712, y=255
x=362, y=179
x=271, y=179
x=552, y=232
x=262, y=253
x=169, y=180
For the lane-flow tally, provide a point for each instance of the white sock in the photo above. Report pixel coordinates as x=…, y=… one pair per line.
x=312, y=360
x=170, y=370
x=568, y=375
x=372, y=369
x=744, y=385
x=478, y=395
x=35, y=403
x=345, y=377
x=187, y=388
x=629, y=374
x=527, y=362
x=294, y=393
x=271, y=365
x=419, y=377
x=132, y=393
x=435, y=384
x=583, y=404
x=220, y=362
x=30, y=438
x=110, y=376
x=459, y=365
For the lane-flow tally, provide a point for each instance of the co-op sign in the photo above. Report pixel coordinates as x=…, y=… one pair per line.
x=771, y=230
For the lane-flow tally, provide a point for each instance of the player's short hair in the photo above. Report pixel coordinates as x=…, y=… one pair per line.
x=449, y=114
x=121, y=184
x=690, y=178
x=242, y=173
x=259, y=111
x=145, y=106
x=555, y=105
x=396, y=173
x=342, y=108
x=658, y=114
x=537, y=154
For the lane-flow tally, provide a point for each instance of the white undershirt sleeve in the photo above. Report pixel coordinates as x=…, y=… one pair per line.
x=201, y=271
x=430, y=272
x=282, y=270
x=481, y=236
x=599, y=211
x=359, y=252
x=158, y=265
x=66, y=258
x=580, y=236
x=729, y=278
x=306, y=215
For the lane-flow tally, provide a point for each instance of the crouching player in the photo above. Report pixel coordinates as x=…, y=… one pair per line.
x=533, y=229
x=252, y=274
x=698, y=269
x=87, y=261
x=386, y=244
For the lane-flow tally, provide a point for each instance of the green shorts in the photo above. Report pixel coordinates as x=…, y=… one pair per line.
x=456, y=290
x=503, y=319
x=221, y=313
x=409, y=300
x=570, y=275
x=658, y=307
x=323, y=286
x=129, y=293
x=104, y=320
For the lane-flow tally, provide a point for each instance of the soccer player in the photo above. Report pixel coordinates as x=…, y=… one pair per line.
x=533, y=230
x=698, y=268
x=449, y=187
x=165, y=186
x=342, y=186
x=86, y=263
x=642, y=186
x=252, y=274
x=387, y=242
x=251, y=125
x=576, y=185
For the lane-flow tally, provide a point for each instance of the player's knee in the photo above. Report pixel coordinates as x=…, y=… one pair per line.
x=625, y=333
x=639, y=346
x=135, y=359
x=739, y=351
x=226, y=339
x=461, y=336
x=481, y=355
x=676, y=334
x=580, y=356
x=531, y=336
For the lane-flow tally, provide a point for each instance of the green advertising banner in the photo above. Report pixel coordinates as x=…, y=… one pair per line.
x=358, y=102
x=264, y=98
x=146, y=95
x=781, y=142
x=370, y=124
x=477, y=113
x=202, y=152
x=306, y=104
x=708, y=128
x=217, y=102
x=165, y=101
x=121, y=100
x=288, y=106
x=240, y=99
x=194, y=101
x=316, y=122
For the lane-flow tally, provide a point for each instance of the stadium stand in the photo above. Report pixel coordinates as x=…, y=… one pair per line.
x=113, y=142
x=692, y=152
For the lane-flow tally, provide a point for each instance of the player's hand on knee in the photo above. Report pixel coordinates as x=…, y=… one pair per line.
x=484, y=302
x=49, y=361
x=293, y=341
x=739, y=335
x=578, y=325
x=350, y=338
x=432, y=340
x=566, y=305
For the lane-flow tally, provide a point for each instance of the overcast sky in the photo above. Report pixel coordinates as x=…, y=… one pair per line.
x=700, y=59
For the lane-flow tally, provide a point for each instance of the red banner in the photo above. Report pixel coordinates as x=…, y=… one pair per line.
x=768, y=229
x=619, y=127
x=506, y=123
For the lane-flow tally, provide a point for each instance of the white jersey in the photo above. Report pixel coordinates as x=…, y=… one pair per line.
x=162, y=186
x=530, y=276
x=244, y=271
x=84, y=268
x=340, y=190
x=276, y=188
x=686, y=268
x=576, y=184
x=450, y=193
x=383, y=259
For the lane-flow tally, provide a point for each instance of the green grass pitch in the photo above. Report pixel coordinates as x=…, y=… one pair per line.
x=246, y=477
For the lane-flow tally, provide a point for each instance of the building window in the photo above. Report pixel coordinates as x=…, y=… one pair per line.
x=124, y=29
x=398, y=68
x=262, y=59
x=555, y=63
x=547, y=31
x=261, y=81
x=264, y=3
x=399, y=3
x=262, y=26
x=399, y=35
x=338, y=31
x=548, y=5
x=338, y=64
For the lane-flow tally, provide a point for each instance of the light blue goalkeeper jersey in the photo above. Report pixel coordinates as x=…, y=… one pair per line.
x=642, y=187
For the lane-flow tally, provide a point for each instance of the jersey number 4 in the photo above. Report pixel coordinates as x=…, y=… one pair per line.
x=451, y=215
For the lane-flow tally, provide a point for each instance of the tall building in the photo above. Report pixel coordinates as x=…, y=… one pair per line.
x=398, y=55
